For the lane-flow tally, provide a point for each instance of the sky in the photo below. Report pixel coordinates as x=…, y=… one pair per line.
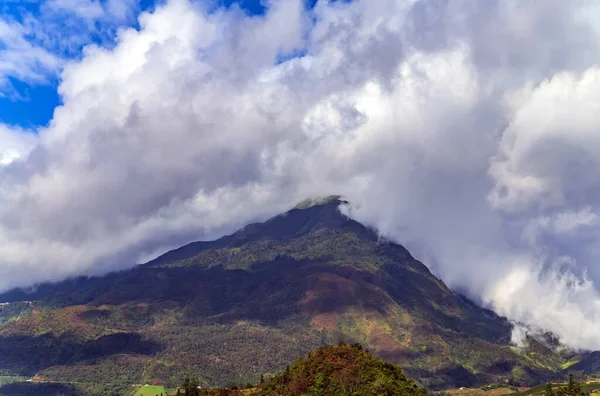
x=466, y=130
x=29, y=100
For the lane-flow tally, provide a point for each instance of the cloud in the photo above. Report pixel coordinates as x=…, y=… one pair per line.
x=89, y=10
x=16, y=144
x=37, y=39
x=464, y=130
x=21, y=59
x=93, y=12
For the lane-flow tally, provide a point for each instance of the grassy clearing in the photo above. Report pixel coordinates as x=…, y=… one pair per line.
x=481, y=392
x=539, y=390
x=467, y=392
x=536, y=390
x=570, y=363
x=151, y=390
x=500, y=392
x=591, y=387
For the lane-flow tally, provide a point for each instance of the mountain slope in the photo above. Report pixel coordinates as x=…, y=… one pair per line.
x=248, y=303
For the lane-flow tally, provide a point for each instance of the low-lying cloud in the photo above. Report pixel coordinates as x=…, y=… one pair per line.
x=465, y=130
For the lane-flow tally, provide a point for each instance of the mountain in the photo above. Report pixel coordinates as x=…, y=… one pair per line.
x=245, y=305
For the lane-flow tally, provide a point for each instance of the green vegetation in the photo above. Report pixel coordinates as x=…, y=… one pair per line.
x=4, y=380
x=342, y=370
x=570, y=363
x=246, y=305
x=571, y=388
x=151, y=390
x=9, y=312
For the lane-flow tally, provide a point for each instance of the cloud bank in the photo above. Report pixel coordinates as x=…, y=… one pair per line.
x=468, y=131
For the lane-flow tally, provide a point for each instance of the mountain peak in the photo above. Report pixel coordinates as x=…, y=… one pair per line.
x=316, y=201
x=309, y=215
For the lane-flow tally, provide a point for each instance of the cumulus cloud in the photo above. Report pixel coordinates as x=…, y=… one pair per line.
x=16, y=143
x=465, y=130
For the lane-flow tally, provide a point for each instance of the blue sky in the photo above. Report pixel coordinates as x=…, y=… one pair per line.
x=34, y=105
x=30, y=103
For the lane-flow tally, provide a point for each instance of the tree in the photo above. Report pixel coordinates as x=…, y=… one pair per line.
x=194, y=387
x=549, y=391
x=573, y=388
x=357, y=346
x=186, y=386
x=286, y=374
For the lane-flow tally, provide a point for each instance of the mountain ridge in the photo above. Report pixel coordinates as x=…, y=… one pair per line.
x=324, y=208
x=246, y=304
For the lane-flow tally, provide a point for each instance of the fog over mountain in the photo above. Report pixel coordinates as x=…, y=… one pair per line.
x=468, y=131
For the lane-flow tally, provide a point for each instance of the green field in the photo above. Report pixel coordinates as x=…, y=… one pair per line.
x=590, y=387
x=151, y=390
x=10, y=379
x=539, y=390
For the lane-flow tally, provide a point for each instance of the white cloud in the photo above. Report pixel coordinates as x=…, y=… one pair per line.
x=89, y=10
x=559, y=301
x=561, y=224
x=14, y=144
x=94, y=11
x=21, y=59
x=549, y=152
x=465, y=130
x=35, y=41
x=570, y=221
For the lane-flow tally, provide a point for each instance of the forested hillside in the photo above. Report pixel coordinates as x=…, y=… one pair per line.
x=246, y=305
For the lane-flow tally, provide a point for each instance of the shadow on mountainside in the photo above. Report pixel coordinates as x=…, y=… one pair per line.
x=35, y=389
x=271, y=291
x=25, y=355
